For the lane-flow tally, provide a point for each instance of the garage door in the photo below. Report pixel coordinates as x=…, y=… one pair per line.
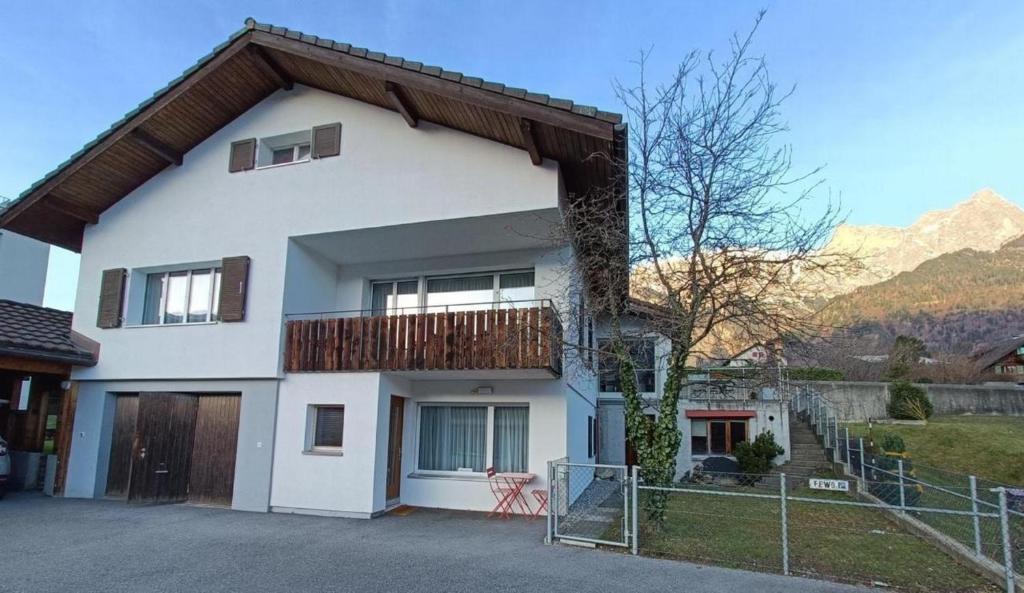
x=174, y=447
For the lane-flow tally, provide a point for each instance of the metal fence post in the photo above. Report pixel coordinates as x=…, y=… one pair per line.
x=903, y=495
x=835, y=442
x=846, y=446
x=863, y=474
x=554, y=504
x=1004, y=522
x=636, y=510
x=551, y=479
x=974, y=516
x=785, y=524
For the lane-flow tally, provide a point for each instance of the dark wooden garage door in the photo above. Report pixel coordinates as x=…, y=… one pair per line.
x=174, y=447
x=119, y=470
x=162, y=456
x=213, y=453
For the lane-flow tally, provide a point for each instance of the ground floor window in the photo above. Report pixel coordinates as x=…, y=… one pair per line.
x=468, y=438
x=712, y=436
x=328, y=424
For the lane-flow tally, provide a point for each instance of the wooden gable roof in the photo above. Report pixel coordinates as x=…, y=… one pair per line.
x=260, y=59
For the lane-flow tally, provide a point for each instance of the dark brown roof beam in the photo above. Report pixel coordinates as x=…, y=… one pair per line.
x=73, y=210
x=272, y=68
x=529, y=141
x=174, y=157
x=401, y=103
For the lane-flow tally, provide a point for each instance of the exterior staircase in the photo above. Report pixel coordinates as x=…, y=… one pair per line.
x=808, y=457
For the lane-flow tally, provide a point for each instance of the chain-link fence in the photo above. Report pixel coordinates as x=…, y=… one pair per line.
x=822, y=528
x=588, y=503
x=899, y=481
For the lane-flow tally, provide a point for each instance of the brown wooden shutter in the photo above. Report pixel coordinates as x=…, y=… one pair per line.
x=326, y=140
x=233, y=286
x=111, y=298
x=243, y=155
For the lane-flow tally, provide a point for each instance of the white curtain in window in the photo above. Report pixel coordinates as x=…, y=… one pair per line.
x=154, y=293
x=515, y=289
x=463, y=293
x=453, y=438
x=511, y=439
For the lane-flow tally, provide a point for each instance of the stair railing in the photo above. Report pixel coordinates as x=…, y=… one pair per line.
x=821, y=415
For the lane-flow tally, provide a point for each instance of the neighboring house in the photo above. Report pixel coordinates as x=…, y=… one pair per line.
x=324, y=282
x=23, y=263
x=38, y=350
x=1005, y=359
x=755, y=355
x=718, y=407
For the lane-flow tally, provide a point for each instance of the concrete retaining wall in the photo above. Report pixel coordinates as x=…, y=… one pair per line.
x=860, y=400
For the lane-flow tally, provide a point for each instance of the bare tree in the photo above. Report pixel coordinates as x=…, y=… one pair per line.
x=718, y=244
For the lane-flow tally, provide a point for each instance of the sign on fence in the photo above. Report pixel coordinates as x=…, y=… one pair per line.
x=836, y=485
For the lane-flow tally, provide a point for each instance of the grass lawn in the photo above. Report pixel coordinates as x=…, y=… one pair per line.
x=834, y=542
x=990, y=447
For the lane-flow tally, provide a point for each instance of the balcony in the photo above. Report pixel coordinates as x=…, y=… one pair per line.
x=479, y=336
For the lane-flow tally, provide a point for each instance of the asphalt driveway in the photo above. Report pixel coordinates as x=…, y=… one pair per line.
x=87, y=545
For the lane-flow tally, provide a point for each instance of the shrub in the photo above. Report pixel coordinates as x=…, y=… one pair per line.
x=908, y=402
x=815, y=374
x=757, y=457
x=893, y=443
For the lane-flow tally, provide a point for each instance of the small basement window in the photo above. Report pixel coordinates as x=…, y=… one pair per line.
x=284, y=149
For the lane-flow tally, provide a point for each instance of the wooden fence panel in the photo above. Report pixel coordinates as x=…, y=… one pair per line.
x=487, y=339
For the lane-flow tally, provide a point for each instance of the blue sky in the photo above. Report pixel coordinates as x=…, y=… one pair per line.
x=911, y=105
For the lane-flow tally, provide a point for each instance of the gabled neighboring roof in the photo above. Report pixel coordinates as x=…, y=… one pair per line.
x=1000, y=349
x=261, y=59
x=40, y=333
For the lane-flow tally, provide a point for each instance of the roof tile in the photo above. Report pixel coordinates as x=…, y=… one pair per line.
x=37, y=330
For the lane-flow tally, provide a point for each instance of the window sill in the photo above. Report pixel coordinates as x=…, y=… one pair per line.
x=324, y=452
x=262, y=167
x=454, y=476
x=140, y=325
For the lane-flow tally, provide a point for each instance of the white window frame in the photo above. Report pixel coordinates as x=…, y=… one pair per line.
x=162, y=313
x=488, y=445
x=423, y=279
x=394, y=291
x=265, y=141
x=310, y=446
x=655, y=369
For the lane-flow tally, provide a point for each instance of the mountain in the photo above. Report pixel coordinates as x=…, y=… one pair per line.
x=983, y=223
x=954, y=302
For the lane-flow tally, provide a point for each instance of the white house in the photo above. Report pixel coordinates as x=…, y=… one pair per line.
x=323, y=281
x=718, y=407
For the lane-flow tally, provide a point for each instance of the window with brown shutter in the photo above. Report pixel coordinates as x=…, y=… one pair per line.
x=326, y=140
x=234, y=282
x=243, y=155
x=111, y=298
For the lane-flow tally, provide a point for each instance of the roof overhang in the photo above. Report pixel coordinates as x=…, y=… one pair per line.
x=261, y=59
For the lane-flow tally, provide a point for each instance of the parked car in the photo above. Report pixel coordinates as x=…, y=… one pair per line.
x=5, y=466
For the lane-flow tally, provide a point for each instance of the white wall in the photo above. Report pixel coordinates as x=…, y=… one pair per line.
x=312, y=482
x=387, y=174
x=547, y=440
x=23, y=263
x=769, y=415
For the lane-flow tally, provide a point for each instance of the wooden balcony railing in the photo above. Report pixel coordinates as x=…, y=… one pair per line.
x=509, y=338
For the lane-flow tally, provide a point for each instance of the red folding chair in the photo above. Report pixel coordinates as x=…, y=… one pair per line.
x=502, y=492
x=541, y=495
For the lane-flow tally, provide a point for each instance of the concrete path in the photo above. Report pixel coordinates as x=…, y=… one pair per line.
x=86, y=545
